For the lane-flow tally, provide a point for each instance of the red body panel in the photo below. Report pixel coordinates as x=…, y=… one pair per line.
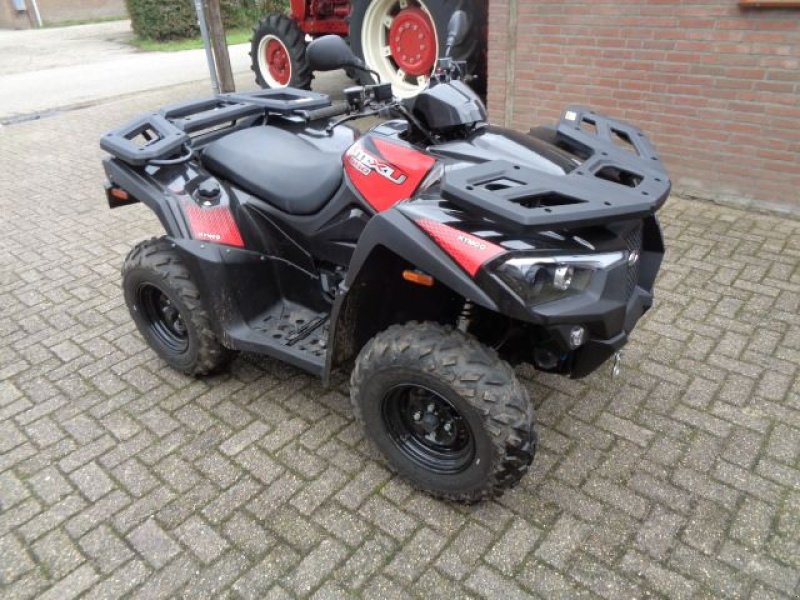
x=212, y=224
x=298, y=9
x=469, y=251
x=385, y=172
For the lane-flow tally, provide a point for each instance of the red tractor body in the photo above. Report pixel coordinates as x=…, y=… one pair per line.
x=321, y=17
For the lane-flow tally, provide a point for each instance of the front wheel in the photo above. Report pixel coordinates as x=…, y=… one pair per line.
x=444, y=410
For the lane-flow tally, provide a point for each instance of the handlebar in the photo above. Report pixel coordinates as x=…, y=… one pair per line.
x=328, y=112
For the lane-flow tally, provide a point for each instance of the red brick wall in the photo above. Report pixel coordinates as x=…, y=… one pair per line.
x=716, y=86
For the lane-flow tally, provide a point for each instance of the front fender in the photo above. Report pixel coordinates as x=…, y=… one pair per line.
x=397, y=233
x=391, y=239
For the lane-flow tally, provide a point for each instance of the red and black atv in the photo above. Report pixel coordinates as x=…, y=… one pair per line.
x=430, y=254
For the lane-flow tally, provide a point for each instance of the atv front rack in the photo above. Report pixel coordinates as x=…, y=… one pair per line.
x=163, y=135
x=620, y=177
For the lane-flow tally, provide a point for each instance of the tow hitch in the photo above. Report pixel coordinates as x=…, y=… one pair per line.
x=617, y=368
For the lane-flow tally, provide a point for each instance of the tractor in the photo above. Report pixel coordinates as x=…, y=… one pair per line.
x=399, y=40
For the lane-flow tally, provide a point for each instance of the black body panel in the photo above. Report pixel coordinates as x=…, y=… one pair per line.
x=611, y=183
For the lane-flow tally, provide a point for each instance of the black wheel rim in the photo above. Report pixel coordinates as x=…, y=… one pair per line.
x=428, y=429
x=163, y=319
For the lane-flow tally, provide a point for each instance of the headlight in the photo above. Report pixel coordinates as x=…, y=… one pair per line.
x=544, y=279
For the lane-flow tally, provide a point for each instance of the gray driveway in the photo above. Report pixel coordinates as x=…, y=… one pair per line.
x=121, y=477
x=47, y=69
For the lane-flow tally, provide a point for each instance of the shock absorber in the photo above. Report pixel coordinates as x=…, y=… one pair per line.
x=465, y=317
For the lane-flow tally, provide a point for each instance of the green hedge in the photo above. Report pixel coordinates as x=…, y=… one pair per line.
x=175, y=19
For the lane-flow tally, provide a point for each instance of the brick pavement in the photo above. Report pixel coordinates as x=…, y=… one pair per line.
x=118, y=476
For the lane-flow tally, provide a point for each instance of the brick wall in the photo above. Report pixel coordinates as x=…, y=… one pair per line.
x=59, y=11
x=715, y=85
x=54, y=12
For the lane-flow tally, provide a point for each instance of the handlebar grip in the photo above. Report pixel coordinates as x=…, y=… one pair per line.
x=326, y=113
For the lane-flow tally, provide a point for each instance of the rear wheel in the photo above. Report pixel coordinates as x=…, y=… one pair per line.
x=278, y=54
x=444, y=410
x=165, y=305
x=402, y=39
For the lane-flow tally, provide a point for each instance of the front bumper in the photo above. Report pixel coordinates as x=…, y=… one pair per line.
x=614, y=328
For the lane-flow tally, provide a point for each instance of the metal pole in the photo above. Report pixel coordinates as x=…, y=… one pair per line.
x=36, y=13
x=216, y=31
x=201, y=20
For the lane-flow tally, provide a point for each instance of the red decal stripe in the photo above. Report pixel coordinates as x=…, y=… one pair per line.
x=468, y=250
x=388, y=174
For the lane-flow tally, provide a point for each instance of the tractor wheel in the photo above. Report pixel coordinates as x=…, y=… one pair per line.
x=402, y=39
x=278, y=54
x=444, y=410
x=165, y=305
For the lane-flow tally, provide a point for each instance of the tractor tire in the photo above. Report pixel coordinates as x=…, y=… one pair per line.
x=165, y=305
x=369, y=35
x=278, y=54
x=444, y=410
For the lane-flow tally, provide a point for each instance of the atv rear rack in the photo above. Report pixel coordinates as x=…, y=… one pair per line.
x=621, y=177
x=163, y=135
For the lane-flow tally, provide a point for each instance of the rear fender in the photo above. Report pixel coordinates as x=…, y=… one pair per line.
x=375, y=296
x=148, y=193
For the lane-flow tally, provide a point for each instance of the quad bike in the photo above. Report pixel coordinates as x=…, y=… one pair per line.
x=429, y=254
x=398, y=39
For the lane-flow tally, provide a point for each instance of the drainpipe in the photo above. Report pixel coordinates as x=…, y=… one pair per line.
x=36, y=13
x=511, y=62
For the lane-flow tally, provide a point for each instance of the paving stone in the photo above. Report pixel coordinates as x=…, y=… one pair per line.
x=92, y=481
x=490, y=584
x=718, y=577
x=51, y=518
x=417, y=554
x=316, y=566
x=769, y=572
x=49, y=485
x=362, y=485
x=343, y=524
x=319, y=490
x=57, y=553
x=461, y=555
x=105, y=549
x=238, y=442
x=15, y=562
x=247, y=534
x=201, y=539
x=72, y=585
x=96, y=513
x=165, y=582
x=362, y=565
x=212, y=580
x=564, y=538
x=230, y=500
x=153, y=544
x=658, y=532
x=263, y=575
x=431, y=584
x=388, y=517
x=668, y=583
x=512, y=549
x=121, y=581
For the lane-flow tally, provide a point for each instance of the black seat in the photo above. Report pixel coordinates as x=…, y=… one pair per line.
x=277, y=166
